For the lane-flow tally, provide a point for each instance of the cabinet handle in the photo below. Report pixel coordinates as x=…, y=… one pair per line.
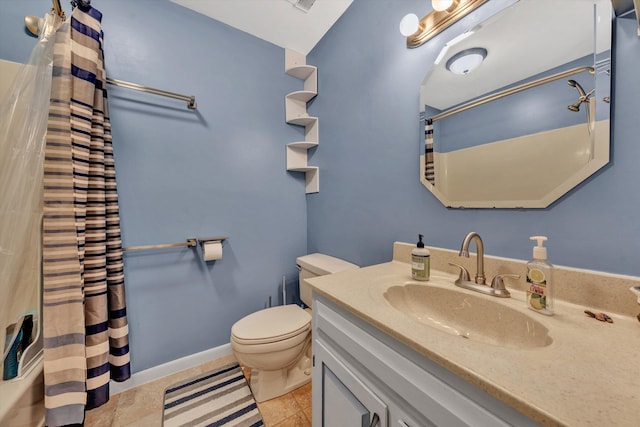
x=375, y=420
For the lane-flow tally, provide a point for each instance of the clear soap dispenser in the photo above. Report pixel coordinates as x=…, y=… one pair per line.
x=540, y=280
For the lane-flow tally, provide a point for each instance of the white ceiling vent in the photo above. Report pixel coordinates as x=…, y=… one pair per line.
x=303, y=5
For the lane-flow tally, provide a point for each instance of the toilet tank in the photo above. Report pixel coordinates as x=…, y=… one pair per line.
x=314, y=265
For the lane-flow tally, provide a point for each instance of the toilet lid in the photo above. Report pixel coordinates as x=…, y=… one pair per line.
x=272, y=324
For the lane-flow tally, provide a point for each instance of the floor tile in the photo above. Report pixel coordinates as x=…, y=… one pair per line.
x=139, y=403
x=296, y=420
x=104, y=415
x=151, y=420
x=216, y=363
x=303, y=396
x=308, y=412
x=275, y=410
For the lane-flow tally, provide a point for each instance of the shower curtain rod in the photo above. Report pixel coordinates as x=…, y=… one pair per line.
x=510, y=91
x=190, y=100
x=58, y=8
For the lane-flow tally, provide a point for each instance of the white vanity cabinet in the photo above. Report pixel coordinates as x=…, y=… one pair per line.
x=346, y=401
x=364, y=377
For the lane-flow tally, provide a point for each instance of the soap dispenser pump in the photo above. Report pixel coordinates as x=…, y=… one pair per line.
x=540, y=279
x=420, y=261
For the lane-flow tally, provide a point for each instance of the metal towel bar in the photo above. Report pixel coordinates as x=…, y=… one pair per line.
x=189, y=243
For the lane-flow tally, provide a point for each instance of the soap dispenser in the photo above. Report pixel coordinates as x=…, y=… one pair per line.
x=540, y=279
x=420, y=261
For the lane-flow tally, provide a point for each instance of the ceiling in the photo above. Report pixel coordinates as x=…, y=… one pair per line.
x=284, y=23
x=526, y=39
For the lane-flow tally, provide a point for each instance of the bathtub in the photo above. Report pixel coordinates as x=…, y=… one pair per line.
x=22, y=399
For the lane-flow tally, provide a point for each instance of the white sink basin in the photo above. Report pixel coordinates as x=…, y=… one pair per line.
x=478, y=318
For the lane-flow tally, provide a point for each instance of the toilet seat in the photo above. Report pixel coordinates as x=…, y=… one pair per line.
x=275, y=343
x=271, y=325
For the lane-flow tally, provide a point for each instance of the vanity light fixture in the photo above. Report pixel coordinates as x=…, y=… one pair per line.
x=440, y=5
x=467, y=60
x=445, y=13
x=410, y=23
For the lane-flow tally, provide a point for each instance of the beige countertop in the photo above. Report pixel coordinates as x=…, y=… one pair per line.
x=588, y=376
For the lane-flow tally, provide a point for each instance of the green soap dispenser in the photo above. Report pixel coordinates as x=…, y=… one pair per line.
x=540, y=280
x=420, y=261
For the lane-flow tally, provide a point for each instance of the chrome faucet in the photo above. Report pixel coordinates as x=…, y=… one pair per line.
x=497, y=288
x=464, y=251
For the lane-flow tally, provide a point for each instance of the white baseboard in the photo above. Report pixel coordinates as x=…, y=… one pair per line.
x=169, y=368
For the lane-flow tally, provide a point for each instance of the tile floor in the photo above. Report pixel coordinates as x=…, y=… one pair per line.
x=142, y=406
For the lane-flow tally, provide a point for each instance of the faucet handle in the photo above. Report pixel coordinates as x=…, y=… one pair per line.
x=498, y=283
x=464, y=273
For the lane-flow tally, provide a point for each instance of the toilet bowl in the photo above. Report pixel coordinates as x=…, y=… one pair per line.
x=275, y=343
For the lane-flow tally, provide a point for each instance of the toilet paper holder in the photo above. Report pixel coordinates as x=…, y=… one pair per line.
x=212, y=239
x=212, y=248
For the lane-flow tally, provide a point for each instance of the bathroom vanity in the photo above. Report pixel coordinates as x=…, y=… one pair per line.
x=360, y=374
x=382, y=357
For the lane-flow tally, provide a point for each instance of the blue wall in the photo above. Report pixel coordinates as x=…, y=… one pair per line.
x=221, y=170
x=368, y=157
x=218, y=171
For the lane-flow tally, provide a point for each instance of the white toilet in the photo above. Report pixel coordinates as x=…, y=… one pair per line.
x=276, y=342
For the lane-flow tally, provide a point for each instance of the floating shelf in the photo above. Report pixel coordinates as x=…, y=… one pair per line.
x=296, y=114
x=302, y=120
x=297, y=156
x=302, y=95
x=304, y=144
x=301, y=72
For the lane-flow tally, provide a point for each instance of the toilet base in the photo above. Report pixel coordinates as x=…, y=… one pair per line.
x=266, y=385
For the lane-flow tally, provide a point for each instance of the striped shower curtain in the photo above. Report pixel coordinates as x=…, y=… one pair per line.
x=429, y=167
x=84, y=315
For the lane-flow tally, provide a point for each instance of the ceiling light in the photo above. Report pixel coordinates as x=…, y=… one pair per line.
x=409, y=24
x=467, y=60
x=440, y=5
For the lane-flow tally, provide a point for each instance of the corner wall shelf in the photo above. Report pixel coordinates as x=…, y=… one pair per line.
x=295, y=104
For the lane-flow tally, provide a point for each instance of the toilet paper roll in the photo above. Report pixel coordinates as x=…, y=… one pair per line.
x=212, y=251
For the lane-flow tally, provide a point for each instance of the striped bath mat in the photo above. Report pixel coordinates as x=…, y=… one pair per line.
x=218, y=398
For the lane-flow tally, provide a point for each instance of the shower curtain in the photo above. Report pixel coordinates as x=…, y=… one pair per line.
x=429, y=167
x=85, y=323
x=23, y=124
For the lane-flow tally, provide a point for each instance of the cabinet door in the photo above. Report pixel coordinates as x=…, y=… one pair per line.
x=346, y=401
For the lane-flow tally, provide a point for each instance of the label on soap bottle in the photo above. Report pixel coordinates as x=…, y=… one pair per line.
x=537, y=289
x=420, y=266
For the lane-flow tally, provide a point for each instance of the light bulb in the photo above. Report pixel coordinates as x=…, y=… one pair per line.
x=440, y=5
x=409, y=24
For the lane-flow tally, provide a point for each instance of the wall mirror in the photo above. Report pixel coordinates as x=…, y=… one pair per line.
x=516, y=109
